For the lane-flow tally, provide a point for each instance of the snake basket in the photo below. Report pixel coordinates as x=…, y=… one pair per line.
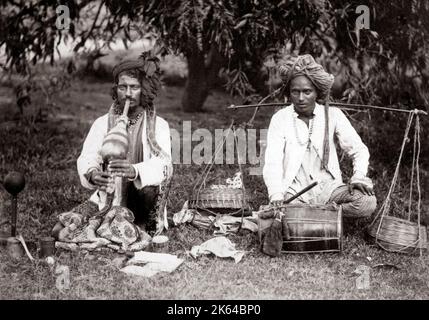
x=227, y=198
x=399, y=235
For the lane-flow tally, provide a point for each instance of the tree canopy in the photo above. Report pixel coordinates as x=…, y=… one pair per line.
x=387, y=63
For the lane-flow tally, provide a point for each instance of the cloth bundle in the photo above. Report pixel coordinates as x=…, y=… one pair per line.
x=84, y=229
x=224, y=224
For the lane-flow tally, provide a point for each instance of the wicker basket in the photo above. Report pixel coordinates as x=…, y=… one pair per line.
x=227, y=198
x=399, y=235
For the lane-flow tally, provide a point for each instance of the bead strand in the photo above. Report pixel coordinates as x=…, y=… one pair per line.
x=310, y=132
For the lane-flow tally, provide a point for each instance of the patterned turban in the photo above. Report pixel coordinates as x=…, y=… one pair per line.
x=148, y=66
x=305, y=65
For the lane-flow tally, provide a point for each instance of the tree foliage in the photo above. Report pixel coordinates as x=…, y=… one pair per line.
x=386, y=64
x=231, y=36
x=389, y=63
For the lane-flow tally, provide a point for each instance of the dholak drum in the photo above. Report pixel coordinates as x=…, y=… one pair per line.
x=312, y=228
x=309, y=228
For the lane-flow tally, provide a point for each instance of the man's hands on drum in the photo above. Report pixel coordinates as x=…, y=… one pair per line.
x=277, y=199
x=361, y=187
x=277, y=203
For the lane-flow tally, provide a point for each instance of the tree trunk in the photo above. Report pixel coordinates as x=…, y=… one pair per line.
x=202, y=74
x=90, y=61
x=196, y=89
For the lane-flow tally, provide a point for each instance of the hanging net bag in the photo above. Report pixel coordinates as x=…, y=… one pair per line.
x=225, y=198
x=397, y=234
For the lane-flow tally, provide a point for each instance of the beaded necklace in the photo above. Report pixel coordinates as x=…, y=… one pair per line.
x=310, y=131
x=134, y=120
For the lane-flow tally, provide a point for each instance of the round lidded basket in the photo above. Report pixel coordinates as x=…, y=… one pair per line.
x=219, y=198
x=399, y=235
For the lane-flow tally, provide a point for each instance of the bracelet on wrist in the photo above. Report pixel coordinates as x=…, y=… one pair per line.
x=88, y=175
x=135, y=177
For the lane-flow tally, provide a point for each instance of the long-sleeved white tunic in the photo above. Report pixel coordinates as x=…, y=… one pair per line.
x=284, y=154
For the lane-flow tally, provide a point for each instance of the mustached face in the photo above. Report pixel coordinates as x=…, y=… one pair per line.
x=303, y=95
x=129, y=87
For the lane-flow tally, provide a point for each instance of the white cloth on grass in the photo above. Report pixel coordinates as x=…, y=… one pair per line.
x=153, y=263
x=220, y=247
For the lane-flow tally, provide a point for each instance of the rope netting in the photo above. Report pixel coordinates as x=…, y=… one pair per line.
x=399, y=232
x=201, y=184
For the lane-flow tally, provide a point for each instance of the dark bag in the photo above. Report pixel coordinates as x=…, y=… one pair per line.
x=273, y=239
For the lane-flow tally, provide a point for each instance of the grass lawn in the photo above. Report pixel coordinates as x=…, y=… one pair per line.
x=47, y=153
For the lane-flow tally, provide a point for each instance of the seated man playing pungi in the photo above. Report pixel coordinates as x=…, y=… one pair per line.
x=121, y=219
x=300, y=144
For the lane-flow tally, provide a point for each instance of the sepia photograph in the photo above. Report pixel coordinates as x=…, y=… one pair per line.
x=235, y=151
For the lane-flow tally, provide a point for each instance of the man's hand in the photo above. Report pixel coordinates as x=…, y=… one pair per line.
x=361, y=187
x=122, y=168
x=277, y=203
x=101, y=179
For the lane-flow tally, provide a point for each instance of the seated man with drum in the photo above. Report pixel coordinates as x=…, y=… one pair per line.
x=300, y=145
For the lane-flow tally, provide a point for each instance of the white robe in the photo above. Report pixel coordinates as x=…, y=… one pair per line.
x=284, y=154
